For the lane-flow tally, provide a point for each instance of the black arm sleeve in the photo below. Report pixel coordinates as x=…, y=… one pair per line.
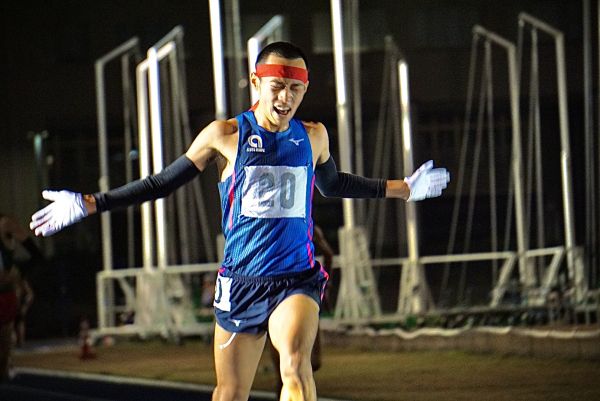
x=152, y=187
x=332, y=183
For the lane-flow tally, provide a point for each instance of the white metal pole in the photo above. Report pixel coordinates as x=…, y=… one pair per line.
x=165, y=46
x=127, y=148
x=253, y=50
x=343, y=119
x=104, y=180
x=411, y=215
x=178, y=149
x=517, y=164
x=144, y=151
x=412, y=233
x=576, y=275
x=174, y=35
x=239, y=79
x=218, y=59
x=565, y=161
x=157, y=154
x=144, y=160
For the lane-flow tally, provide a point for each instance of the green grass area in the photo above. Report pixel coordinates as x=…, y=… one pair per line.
x=354, y=374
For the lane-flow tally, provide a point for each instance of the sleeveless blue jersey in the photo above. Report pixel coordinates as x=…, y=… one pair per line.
x=267, y=201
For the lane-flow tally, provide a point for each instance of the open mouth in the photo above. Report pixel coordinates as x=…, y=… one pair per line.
x=282, y=111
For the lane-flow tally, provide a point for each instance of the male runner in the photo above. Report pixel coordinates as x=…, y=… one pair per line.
x=268, y=163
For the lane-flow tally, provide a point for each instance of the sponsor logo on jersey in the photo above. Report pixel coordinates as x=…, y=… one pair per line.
x=296, y=141
x=256, y=145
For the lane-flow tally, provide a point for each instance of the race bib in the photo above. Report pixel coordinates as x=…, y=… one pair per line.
x=274, y=191
x=223, y=293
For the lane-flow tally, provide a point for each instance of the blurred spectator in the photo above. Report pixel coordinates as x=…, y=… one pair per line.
x=25, y=297
x=14, y=296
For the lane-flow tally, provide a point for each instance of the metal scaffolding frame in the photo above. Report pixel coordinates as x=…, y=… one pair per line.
x=413, y=297
x=153, y=312
x=575, y=269
x=125, y=52
x=358, y=297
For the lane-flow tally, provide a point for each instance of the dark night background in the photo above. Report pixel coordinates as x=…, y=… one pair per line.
x=47, y=83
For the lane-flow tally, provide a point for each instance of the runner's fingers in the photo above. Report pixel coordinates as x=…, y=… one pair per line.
x=41, y=215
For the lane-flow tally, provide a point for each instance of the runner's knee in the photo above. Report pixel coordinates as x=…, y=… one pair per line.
x=296, y=371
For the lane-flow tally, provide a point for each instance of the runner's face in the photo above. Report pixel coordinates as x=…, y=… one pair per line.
x=279, y=98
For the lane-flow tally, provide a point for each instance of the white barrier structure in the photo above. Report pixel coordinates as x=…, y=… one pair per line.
x=157, y=298
x=574, y=259
x=125, y=53
x=358, y=297
x=159, y=294
x=536, y=279
x=515, y=189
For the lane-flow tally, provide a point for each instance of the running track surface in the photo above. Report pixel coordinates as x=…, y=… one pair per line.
x=49, y=385
x=38, y=385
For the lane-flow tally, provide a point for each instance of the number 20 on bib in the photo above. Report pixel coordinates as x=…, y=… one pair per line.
x=274, y=191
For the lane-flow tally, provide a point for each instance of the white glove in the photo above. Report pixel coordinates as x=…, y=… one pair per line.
x=67, y=208
x=427, y=182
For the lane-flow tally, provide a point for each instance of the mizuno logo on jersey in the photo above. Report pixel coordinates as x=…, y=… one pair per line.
x=256, y=145
x=296, y=141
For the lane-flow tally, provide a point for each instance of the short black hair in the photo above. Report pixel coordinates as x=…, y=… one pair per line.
x=282, y=49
